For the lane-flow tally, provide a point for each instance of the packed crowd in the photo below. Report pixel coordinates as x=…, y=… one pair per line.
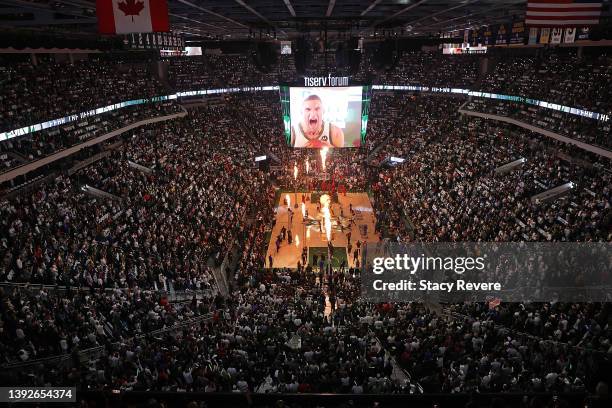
x=559, y=76
x=579, y=128
x=39, y=323
x=433, y=69
x=185, y=194
x=413, y=68
x=468, y=350
x=34, y=94
x=449, y=181
x=164, y=227
x=213, y=71
x=38, y=145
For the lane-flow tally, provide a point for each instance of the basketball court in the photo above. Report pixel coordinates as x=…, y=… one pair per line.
x=310, y=231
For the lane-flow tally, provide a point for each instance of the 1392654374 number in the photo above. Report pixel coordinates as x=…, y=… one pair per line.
x=37, y=394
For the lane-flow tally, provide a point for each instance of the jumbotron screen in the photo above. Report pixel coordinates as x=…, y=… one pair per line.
x=316, y=117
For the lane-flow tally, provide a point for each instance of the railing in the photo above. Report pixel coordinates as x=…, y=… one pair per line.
x=173, y=296
x=398, y=400
x=526, y=293
x=28, y=167
x=96, y=352
x=28, y=186
x=198, y=261
x=91, y=160
x=582, y=145
x=528, y=335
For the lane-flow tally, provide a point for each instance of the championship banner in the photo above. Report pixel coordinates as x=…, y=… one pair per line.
x=555, y=38
x=533, y=35
x=544, y=35
x=489, y=36
x=518, y=32
x=479, y=36
x=570, y=34
x=502, y=35
x=582, y=34
x=132, y=16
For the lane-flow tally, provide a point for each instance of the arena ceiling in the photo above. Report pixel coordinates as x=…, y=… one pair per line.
x=283, y=19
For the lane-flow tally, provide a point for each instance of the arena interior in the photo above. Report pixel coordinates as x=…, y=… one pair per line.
x=187, y=205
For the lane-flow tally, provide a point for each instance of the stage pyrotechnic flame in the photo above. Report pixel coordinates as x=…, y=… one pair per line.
x=303, y=210
x=325, y=200
x=288, y=199
x=295, y=171
x=323, y=156
x=327, y=223
x=307, y=166
x=297, y=241
x=308, y=232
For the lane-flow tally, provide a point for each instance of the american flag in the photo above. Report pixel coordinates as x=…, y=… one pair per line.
x=562, y=13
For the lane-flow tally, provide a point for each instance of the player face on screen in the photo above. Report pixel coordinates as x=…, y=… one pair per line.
x=312, y=115
x=312, y=131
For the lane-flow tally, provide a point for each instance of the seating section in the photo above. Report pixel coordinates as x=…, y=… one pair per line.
x=224, y=71
x=38, y=145
x=432, y=69
x=557, y=76
x=42, y=324
x=594, y=132
x=132, y=265
x=449, y=181
x=34, y=94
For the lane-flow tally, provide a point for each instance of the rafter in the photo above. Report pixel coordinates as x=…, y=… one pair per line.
x=467, y=3
x=198, y=22
x=370, y=7
x=39, y=6
x=212, y=13
x=289, y=7
x=330, y=8
x=402, y=11
x=488, y=10
x=258, y=14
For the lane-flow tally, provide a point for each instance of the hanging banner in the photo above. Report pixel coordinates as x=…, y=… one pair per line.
x=502, y=35
x=489, y=36
x=518, y=33
x=167, y=41
x=582, y=34
x=132, y=16
x=478, y=36
x=544, y=35
x=533, y=35
x=563, y=13
x=570, y=34
x=555, y=37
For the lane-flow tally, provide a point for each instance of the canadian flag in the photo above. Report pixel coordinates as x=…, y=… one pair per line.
x=132, y=16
